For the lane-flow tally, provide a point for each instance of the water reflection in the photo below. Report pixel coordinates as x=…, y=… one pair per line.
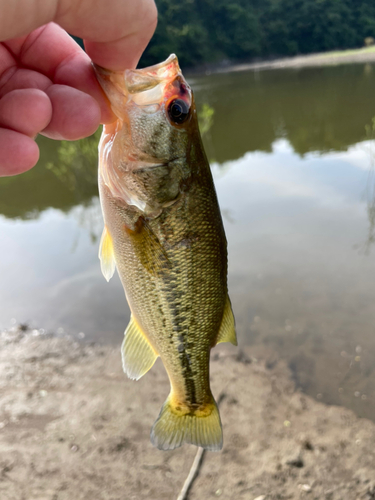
x=50, y=275
x=293, y=170
x=66, y=176
x=300, y=281
x=316, y=109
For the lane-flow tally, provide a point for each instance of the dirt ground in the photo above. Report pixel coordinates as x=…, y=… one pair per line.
x=72, y=426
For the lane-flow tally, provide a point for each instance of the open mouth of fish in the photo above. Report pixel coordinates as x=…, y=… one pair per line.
x=149, y=87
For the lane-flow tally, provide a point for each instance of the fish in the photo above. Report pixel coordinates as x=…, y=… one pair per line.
x=164, y=234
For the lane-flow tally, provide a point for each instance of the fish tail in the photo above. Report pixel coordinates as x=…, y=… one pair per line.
x=177, y=425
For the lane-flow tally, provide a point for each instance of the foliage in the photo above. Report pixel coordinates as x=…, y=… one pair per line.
x=202, y=31
x=77, y=162
x=205, y=118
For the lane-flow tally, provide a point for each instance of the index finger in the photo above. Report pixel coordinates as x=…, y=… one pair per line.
x=51, y=52
x=115, y=32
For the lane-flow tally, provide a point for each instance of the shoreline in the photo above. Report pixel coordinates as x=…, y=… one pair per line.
x=332, y=58
x=73, y=426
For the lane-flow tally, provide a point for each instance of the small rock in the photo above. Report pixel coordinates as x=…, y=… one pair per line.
x=261, y=497
x=120, y=444
x=305, y=487
x=296, y=462
x=243, y=358
x=308, y=446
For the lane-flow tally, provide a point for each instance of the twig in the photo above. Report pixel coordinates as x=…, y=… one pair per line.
x=192, y=474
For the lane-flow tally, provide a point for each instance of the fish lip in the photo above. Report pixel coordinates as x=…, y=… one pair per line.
x=103, y=71
x=156, y=69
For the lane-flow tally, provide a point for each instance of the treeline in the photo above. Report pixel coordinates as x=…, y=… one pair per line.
x=212, y=31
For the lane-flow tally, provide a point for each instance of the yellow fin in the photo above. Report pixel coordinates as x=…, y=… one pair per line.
x=176, y=426
x=138, y=356
x=227, y=332
x=106, y=255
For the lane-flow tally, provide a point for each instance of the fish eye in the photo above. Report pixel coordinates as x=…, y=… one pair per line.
x=178, y=111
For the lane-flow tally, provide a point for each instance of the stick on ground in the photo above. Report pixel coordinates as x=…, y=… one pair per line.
x=192, y=474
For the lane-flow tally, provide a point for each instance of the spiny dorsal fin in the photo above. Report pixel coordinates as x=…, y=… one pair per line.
x=227, y=332
x=138, y=356
x=106, y=255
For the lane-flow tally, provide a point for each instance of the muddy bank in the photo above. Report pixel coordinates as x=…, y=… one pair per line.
x=364, y=55
x=72, y=426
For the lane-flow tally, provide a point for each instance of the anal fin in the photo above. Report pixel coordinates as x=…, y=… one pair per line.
x=227, y=332
x=138, y=356
x=106, y=255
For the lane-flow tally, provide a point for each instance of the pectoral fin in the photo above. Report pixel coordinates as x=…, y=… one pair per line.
x=106, y=255
x=227, y=332
x=138, y=356
x=148, y=248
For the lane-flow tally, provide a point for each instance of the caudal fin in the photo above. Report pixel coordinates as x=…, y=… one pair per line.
x=176, y=426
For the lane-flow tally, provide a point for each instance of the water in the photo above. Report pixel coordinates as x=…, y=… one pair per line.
x=292, y=161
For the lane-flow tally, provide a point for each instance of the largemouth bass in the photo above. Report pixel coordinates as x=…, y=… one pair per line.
x=164, y=234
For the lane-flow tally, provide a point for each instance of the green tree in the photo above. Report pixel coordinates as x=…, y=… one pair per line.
x=204, y=31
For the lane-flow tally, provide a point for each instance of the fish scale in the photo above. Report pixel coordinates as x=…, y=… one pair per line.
x=164, y=234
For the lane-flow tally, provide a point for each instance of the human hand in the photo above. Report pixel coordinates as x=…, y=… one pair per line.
x=47, y=84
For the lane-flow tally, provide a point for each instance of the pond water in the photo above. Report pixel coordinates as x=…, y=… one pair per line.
x=292, y=153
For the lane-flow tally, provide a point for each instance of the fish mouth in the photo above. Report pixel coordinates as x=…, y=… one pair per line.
x=163, y=69
x=138, y=81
